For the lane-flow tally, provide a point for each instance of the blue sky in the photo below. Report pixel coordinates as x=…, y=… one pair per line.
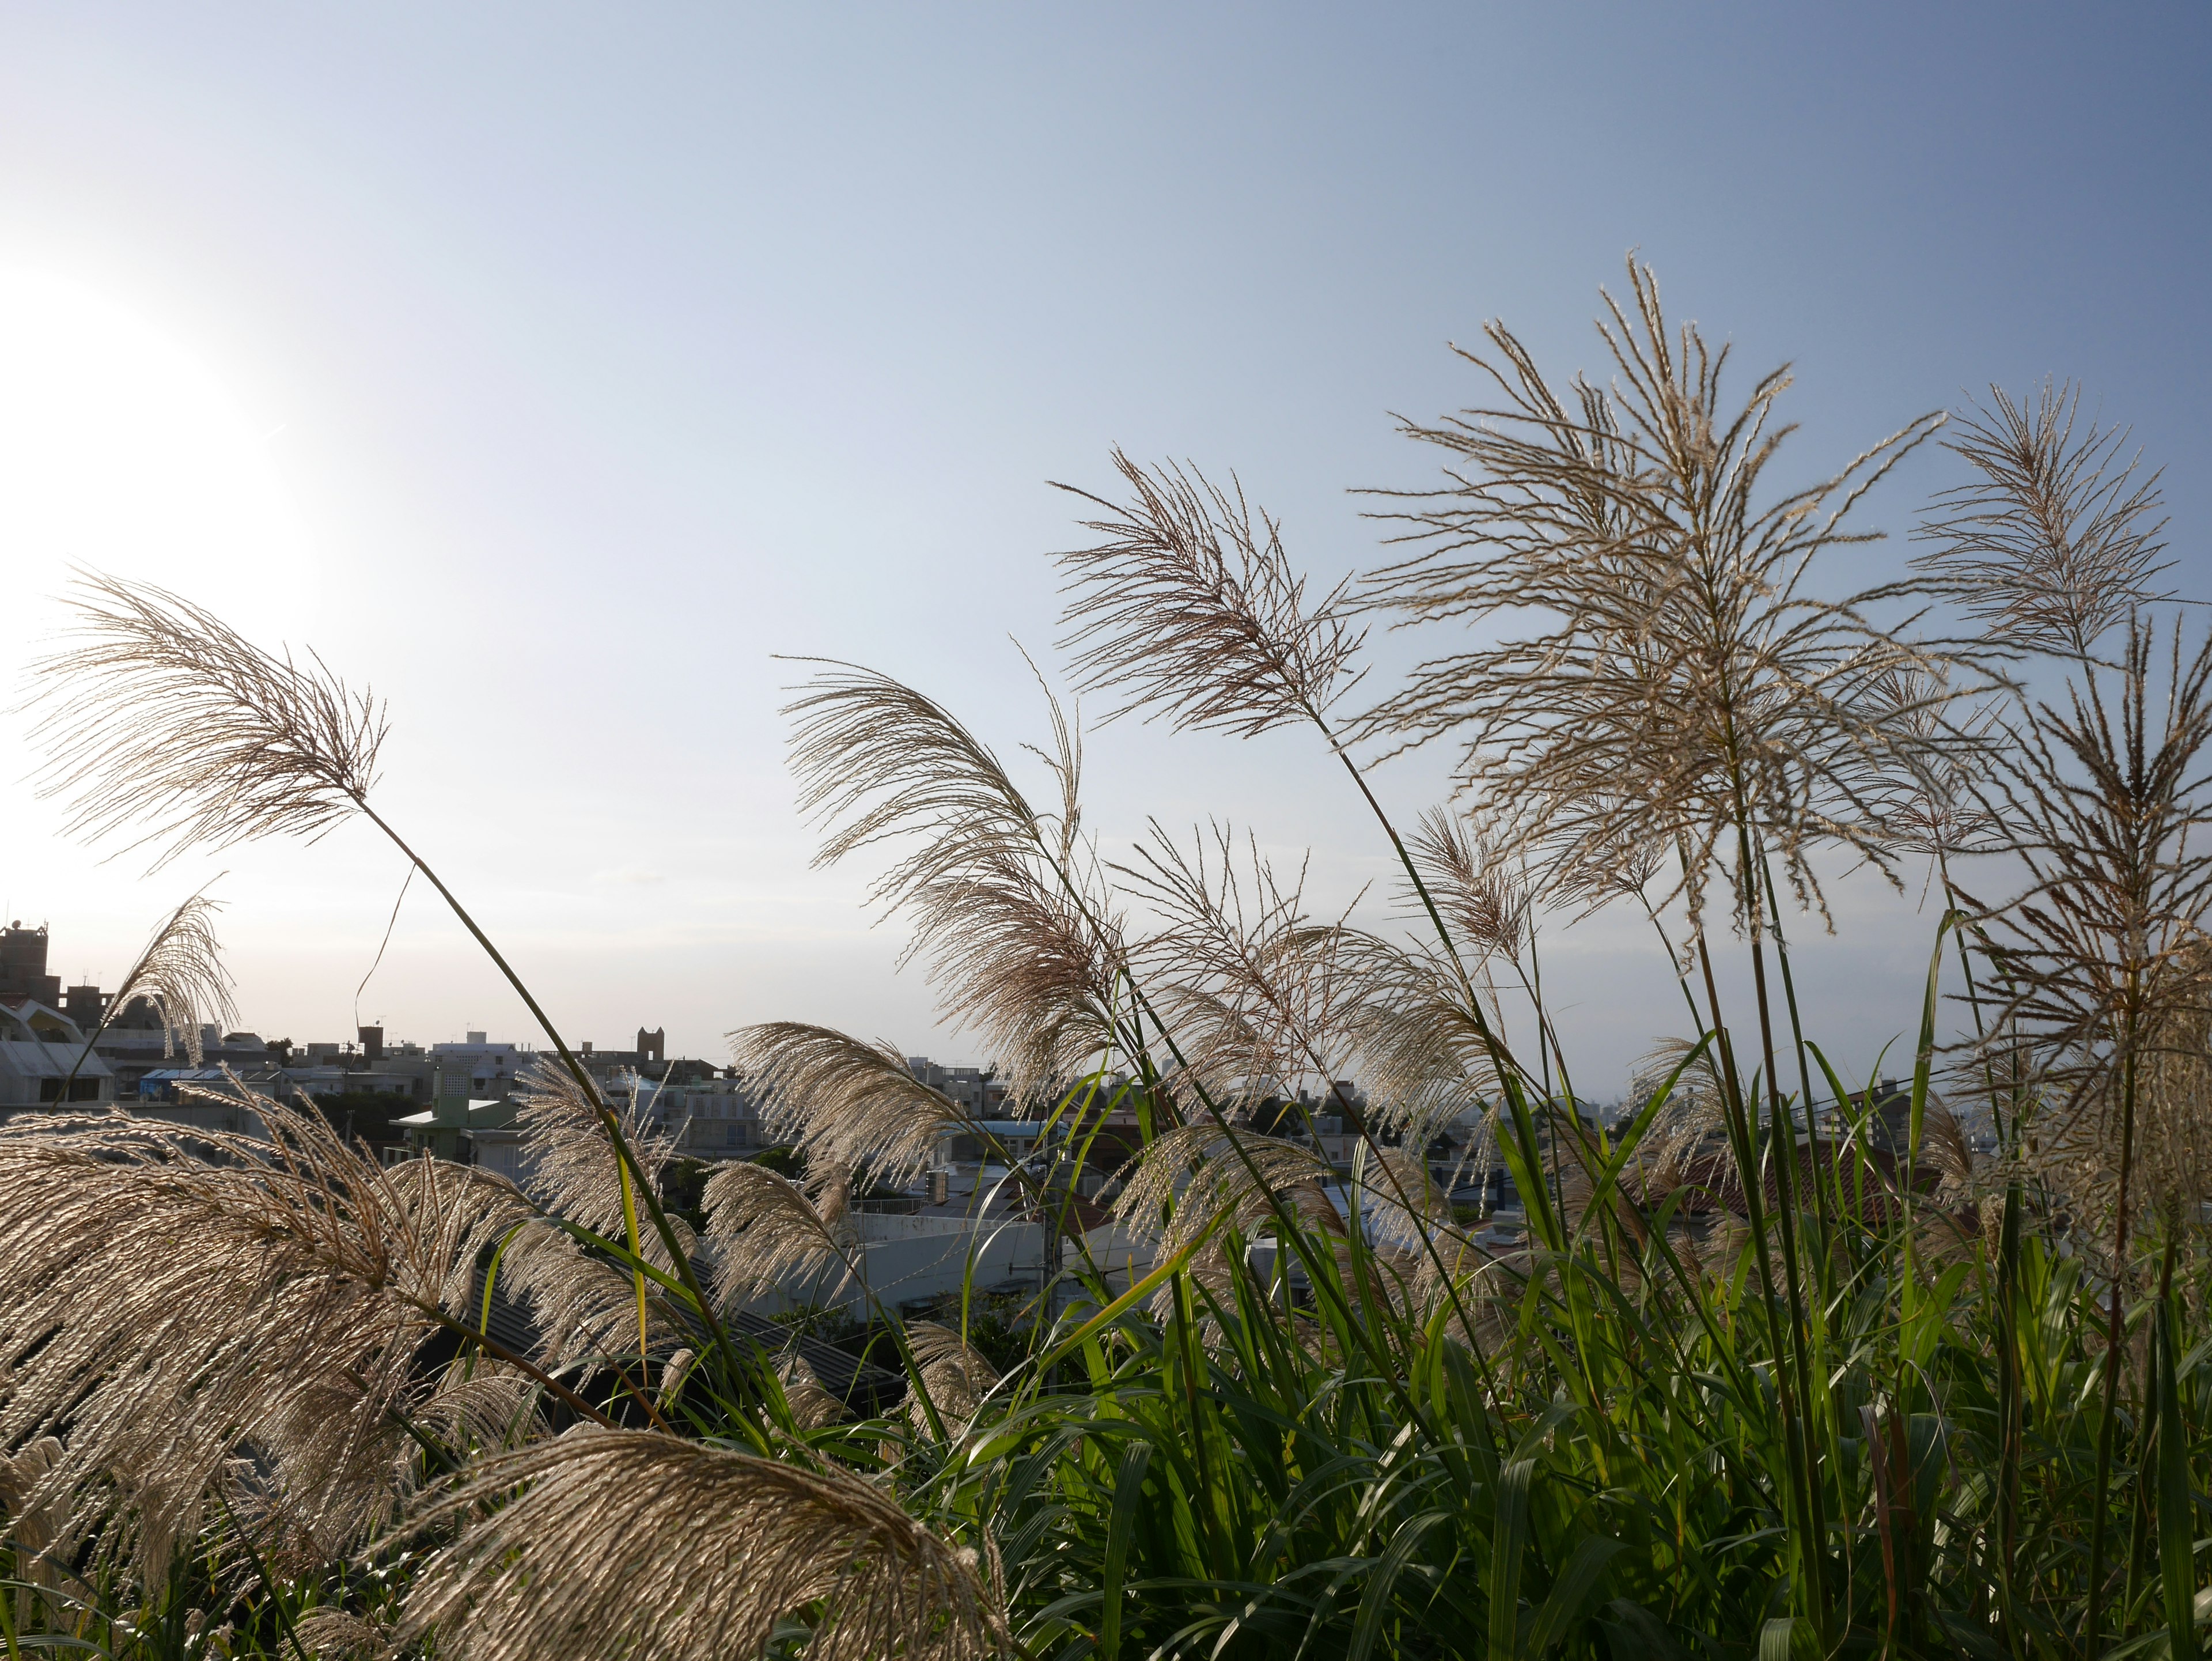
x=578, y=362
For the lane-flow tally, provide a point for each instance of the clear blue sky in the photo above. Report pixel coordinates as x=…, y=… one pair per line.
x=587, y=358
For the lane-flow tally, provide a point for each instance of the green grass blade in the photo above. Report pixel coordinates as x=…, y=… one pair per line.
x=1382, y=1578
x=1572, y=1592
x=2176, y=1524
x=1129, y=1491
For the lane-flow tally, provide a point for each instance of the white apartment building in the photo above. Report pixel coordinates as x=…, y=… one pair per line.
x=38, y=1048
x=491, y=1069
x=710, y=1119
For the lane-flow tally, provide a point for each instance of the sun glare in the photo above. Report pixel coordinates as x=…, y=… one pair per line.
x=121, y=450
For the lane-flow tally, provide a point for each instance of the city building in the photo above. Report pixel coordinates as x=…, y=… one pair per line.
x=979, y=1090
x=40, y=1048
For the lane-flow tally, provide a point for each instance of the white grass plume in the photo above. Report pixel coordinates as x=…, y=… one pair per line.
x=180, y=974
x=175, y=1296
x=1681, y=674
x=767, y=1231
x=847, y=1102
x=162, y=712
x=656, y=1545
x=956, y=1375
x=1019, y=939
x=2057, y=539
x=1191, y=608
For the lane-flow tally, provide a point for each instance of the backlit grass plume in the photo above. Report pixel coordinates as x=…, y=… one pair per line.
x=847, y=1102
x=639, y=1544
x=181, y=975
x=573, y=1169
x=1683, y=680
x=2057, y=540
x=768, y=1233
x=180, y=1298
x=165, y=721
x=1192, y=611
x=1021, y=943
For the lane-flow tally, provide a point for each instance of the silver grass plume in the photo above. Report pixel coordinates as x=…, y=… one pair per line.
x=656, y=1545
x=1486, y=897
x=38, y=1526
x=1251, y=985
x=332, y=1632
x=846, y=1102
x=2057, y=540
x=812, y=1406
x=1191, y=608
x=576, y=1172
x=2101, y=956
x=161, y=713
x=1683, y=676
x=956, y=1375
x=1422, y=1056
x=1019, y=942
x=1192, y=1176
x=179, y=1299
x=584, y=1306
x=767, y=1232
x=180, y=974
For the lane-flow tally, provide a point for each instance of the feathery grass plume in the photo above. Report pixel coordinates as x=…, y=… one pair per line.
x=162, y=712
x=363, y=1472
x=576, y=1172
x=1693, y=1123
x=1400, y=1199
x=36, y=1521
x=812, y=1407
x=584, y=1306
x=847, y=1103
x=955, y=1373
x=1251, y=986
x=768, y=1233
x=2101, y=956
x=334, y=1633
x=1192, y=608
x=1487, y=900
x=2058, y=541
x=1424, y=1059
x=656, y=1545
x=181, y=975
x=1020, y=941
x=1940, y=812
x=1684, y=678
x=177, y=1294
x=1190, y=1176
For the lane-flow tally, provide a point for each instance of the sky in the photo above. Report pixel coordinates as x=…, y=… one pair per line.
x=560, y=372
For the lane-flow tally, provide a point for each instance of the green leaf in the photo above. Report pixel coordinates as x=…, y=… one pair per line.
x=2176, y=1532
x=1576, y=1585
x=1509, y=1537
x=1376, y=1601
x=1128, y=1489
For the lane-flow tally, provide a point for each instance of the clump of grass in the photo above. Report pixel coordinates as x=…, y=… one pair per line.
x=1765, y=1370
